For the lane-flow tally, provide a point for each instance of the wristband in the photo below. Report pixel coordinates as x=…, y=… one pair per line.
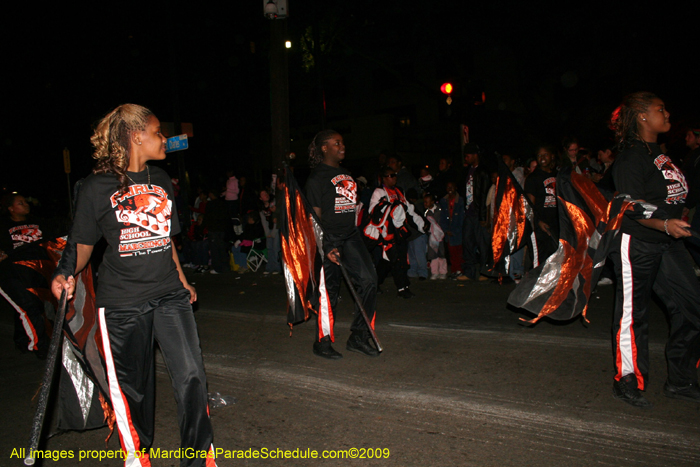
x=666, y=227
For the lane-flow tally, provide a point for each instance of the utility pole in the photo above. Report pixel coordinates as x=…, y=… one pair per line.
x=279, y=80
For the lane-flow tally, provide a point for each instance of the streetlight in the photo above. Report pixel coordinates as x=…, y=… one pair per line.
x=275, y=9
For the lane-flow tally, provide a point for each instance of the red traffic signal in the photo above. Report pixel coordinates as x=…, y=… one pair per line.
x=446, y=88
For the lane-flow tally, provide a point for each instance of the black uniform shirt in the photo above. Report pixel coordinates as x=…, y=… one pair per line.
x=542, y=186
x=138, y=265
x=335, y=192
x=654, y=179
x=18, y=233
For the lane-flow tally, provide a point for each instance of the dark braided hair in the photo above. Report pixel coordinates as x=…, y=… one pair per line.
x=315, y=151
x=623, y=120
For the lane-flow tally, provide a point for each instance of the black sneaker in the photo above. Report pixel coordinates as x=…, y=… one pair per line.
x=359, y=342
x=324, y=349
x=406, y=293
x=690, y=393
x=626, y=390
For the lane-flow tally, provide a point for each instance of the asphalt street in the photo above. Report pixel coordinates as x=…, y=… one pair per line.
x=462, y=381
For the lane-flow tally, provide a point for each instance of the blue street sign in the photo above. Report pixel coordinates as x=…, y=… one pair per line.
x=177, y=143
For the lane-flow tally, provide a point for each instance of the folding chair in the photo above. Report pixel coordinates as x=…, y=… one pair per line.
x=257, y=254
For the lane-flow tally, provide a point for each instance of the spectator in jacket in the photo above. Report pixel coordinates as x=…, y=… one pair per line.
x=475, y=232
x=451, y=222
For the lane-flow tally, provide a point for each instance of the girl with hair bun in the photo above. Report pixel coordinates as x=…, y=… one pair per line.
x=143, y=296
x=650, y=255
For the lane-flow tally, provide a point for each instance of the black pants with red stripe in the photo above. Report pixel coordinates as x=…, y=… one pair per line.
x=666, y=269
x=358, y=264
x=30, y=322
x=128, y=335
x=397, y=265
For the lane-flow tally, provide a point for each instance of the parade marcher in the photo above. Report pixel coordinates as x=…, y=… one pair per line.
x=332, y=193
x=540, y=187
x=19, y=230
x=390, y=216
x=143, y=296
x=404, y=178
x=650, y=255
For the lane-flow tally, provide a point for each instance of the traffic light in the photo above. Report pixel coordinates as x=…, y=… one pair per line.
x=446, y=88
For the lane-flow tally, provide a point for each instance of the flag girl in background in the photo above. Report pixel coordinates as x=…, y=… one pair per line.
x=143, y=295
x=18, y=231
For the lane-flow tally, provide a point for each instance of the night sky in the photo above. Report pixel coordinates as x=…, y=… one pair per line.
x=546, y=72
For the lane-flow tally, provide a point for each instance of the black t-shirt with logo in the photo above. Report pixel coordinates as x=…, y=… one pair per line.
x=138, y=265
x=335, y=192
x=654, y=179
x=19, y=233
x=543, y=186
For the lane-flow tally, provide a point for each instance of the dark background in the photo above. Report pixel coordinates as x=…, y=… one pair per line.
x=545, y=72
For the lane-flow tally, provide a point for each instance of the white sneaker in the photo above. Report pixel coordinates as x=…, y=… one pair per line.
x=605, y=281
x=435, y=277
x=442, y=276
x=211, y=271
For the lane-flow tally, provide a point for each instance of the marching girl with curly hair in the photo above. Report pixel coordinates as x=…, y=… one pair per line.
x=332, y=193
x=650, y=255
x=143, y=296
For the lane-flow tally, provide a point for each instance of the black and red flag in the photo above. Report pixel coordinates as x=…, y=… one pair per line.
x=513, y=219
x=82, y=383
x=83, y=389
x=302, y=257
x=588, y=223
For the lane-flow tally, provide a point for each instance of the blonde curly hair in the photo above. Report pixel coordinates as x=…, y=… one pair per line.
x=112, y=140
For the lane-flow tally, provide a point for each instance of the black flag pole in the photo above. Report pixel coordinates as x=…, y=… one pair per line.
x=38, y=422
x=353, y=292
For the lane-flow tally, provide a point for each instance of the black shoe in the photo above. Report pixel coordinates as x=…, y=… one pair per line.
x=626, y=390
x=691, y=392
x=379, y=290
x=406, y=293
x=23, y=348
x=325, y=349
x=359, y=342
x=421, y=278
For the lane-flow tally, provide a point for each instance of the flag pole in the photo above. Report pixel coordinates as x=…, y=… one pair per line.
x=353, y=292
x=43, y=400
